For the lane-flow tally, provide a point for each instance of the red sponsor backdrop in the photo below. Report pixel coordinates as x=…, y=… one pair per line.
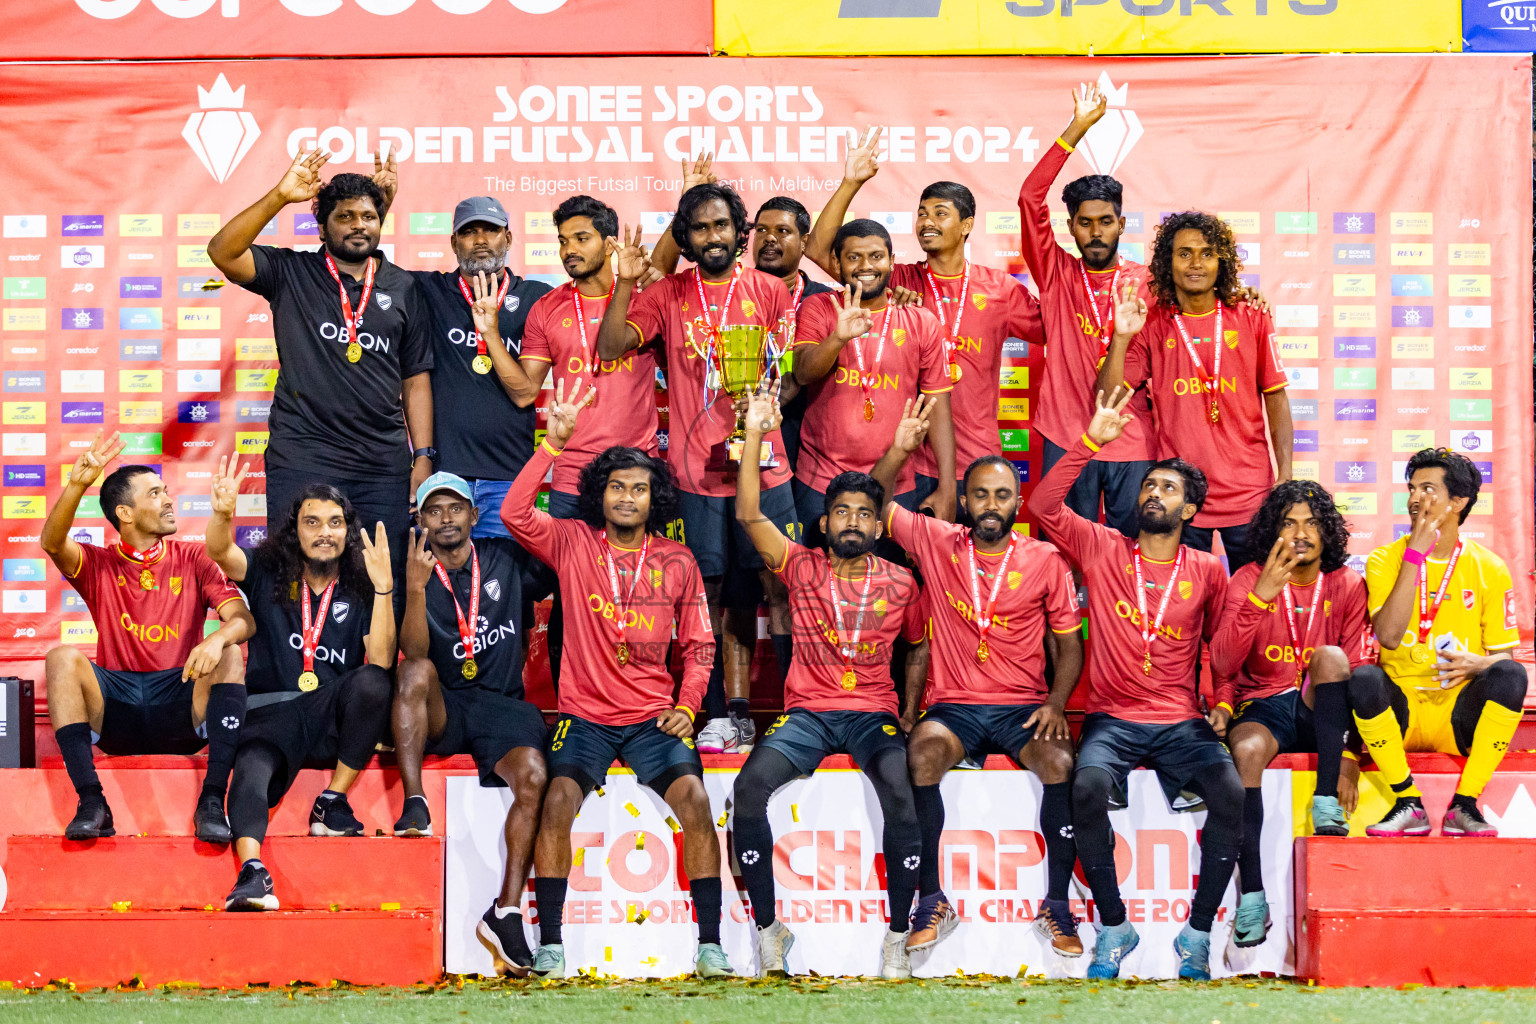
x=1376, y=218
x=127, y=29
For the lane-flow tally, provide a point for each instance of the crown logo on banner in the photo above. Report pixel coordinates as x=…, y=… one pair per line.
x=220, y=132
x=1109, y=142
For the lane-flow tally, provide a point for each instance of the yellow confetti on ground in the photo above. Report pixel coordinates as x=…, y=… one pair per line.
x=673, y=825
x=632, y=809
x=389, y=906
x=649, y=961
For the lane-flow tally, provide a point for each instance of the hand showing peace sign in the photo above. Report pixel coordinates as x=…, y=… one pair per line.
x=95, y=459
x=633, y=260
x=301, y=182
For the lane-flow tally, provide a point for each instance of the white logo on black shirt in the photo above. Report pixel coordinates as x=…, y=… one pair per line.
x=512, y=303
x=493, y=589
x=383, y=300
x=339, y=611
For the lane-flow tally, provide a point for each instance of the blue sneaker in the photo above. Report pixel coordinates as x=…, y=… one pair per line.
x=1194, y=950
x=1252, y=922
x=549, y=962
x=1112, y=946
x=1328, y=817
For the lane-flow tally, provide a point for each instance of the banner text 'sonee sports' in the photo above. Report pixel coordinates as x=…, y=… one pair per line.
x=1389, y=230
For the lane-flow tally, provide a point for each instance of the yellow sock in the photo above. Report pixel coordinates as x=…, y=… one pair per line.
x=1495, y=728
x=1385, y=741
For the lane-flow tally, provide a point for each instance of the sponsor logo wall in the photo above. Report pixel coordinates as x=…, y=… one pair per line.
x=1402, y=297
x=1498, y=25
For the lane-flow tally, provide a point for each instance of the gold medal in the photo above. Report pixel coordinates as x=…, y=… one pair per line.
x=1419, y=653
x=309, y=681
x=1215, y=411
x=621, y=652
x=354, y=352
x=982, y=651
x=481, y=364
x=469, y=668
x=1146, y=663
x=146, y=579
x=849, y=679
x=954, y=372
x=869, y=411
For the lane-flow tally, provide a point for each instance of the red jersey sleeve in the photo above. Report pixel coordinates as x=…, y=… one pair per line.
x=535, y=339
x=1138, y=358
x=1023, y=319
x=933, y=373
x=1241, y=615
x=914, y=624
x=1271, y=370
x=84, y=579
x=647, y=312
x=1215, y=596
x=1061, y=612
x=1081, y=541
x=537, y=531
x=1041, y=253
x=1352, y=623
x=216, y=589
x=695, y=637
x=909, y=529
x=816, y=320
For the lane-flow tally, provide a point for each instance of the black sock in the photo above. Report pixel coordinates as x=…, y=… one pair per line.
x=739, y=707
x=783, y=652
x=930, y=823
x=1466, y=802
x=549, y=894
x=1105, y=885
x=901, y=844
x=1250, y=866
x=75, y=744
x=1060, y=846
x=1331, y=724
x=714, y=693
x=1218, y=856
x=226, y=710
x=754, y=852
x=706, y=907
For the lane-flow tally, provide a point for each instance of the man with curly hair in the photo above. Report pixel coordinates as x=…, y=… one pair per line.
x=1215, y=372
x=625, y=588
x=1291, y=632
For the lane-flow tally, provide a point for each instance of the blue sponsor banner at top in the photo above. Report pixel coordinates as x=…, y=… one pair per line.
x=1498, y=25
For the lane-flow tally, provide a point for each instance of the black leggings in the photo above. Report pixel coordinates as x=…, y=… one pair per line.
x=1372, y=691
x=1221, y=788
x=767, y=770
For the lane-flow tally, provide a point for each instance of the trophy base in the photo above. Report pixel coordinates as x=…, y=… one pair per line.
x=728, y=454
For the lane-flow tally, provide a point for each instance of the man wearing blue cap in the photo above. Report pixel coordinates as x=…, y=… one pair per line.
x=460, y=688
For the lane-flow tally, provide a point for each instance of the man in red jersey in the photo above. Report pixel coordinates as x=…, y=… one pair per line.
x=625, y=587
x=998, y=598
x=684, y=314
x=158, y=686
x=978, y=308
x=859, y=375
x=1217, y=379
x=849, y=608
x=1077, y=306
x=1151, y=601
x=1291, y=633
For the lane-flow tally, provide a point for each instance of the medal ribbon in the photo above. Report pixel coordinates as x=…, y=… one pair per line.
x=621, y=611
x=1297, y=643
x=984, y=619
x=1427, y=612
x=1099, y=320
x=144, y=557
x=711, y=329
x=1213, y=382
x=312, y=634
x=951, y=337
x=501, y=296
x=1149, y=635
x=354, y=323
x=466, y=628
x=581, y=322
x=851, y=648
x=866, y=379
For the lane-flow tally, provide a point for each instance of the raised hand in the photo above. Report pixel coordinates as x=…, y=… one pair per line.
x=864, y=159
x=376, y=558
x=1088, y=105
x=1277, y=570
x=418, y=562
x=301, y=182
x=485, y=310
x=633, y=260
x=912, y=428
x=226, y=485
x=1426, y=529
x=386, y=174
x=1110, y=418
x=1255, y=298
x=853, y=320
x=762, y=414
x=96, y=458
x=1130, y=311
x=904, y=296
x=699, y=173
x=561, y=414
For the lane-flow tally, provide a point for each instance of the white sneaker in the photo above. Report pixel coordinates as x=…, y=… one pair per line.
x=719, y=736
x=895, y=964
x=773, y=945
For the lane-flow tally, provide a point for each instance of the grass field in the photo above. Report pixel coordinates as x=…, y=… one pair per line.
x=824, y=1001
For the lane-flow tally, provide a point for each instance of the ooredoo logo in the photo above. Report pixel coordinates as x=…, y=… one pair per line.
x=111, y=10
x=1109, y=142
x=221, y=133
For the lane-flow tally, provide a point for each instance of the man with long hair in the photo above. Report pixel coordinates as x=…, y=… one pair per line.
x=1215, y=372
x=625, y=587
x=1291, y=632
x=319, y=675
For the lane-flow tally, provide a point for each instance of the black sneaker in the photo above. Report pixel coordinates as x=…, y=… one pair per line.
x=504, y=937
x=332, y=816
x=208, y=822
x=415, y=818
x=92, y=820
x=253, y=889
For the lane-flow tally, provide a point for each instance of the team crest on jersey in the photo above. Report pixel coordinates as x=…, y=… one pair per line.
x=1015, y=580
x=176, y=585
x=339, y=611
x=383, y=300
x=512, y=303
x=1509, y=609
x=566, y=322
x=1186, y=590
x=1170, y=343
x=657, y=575
x=900, y=335
x=880, y=606
x=979, y=301
x=748, y=307
x=493, y=589
x=1468, y=598
x=1327, y=607
x=1230, y=337
x=121, y=582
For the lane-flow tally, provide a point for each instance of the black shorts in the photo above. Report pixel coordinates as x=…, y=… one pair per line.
x=1177, y=752
x=303, y=728
x=487, y=725
x=146, y=713
x=1287, y=718
x=583, y=751
x=707, y=525
x=986, y=728
x=805, y=737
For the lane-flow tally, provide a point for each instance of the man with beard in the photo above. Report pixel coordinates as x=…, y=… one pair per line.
x=998, y=600
x=1077, y=305
x=839, y=697
x=1290, y=635
x=461, y=688
x=158, y=685
x=978, y=309
x=626, y=589
x=482, y=401
x=1151, y=601
x=312, y=696
x=684, y=314
x=353, y=348
x=859, y=377
x=1217, y=379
